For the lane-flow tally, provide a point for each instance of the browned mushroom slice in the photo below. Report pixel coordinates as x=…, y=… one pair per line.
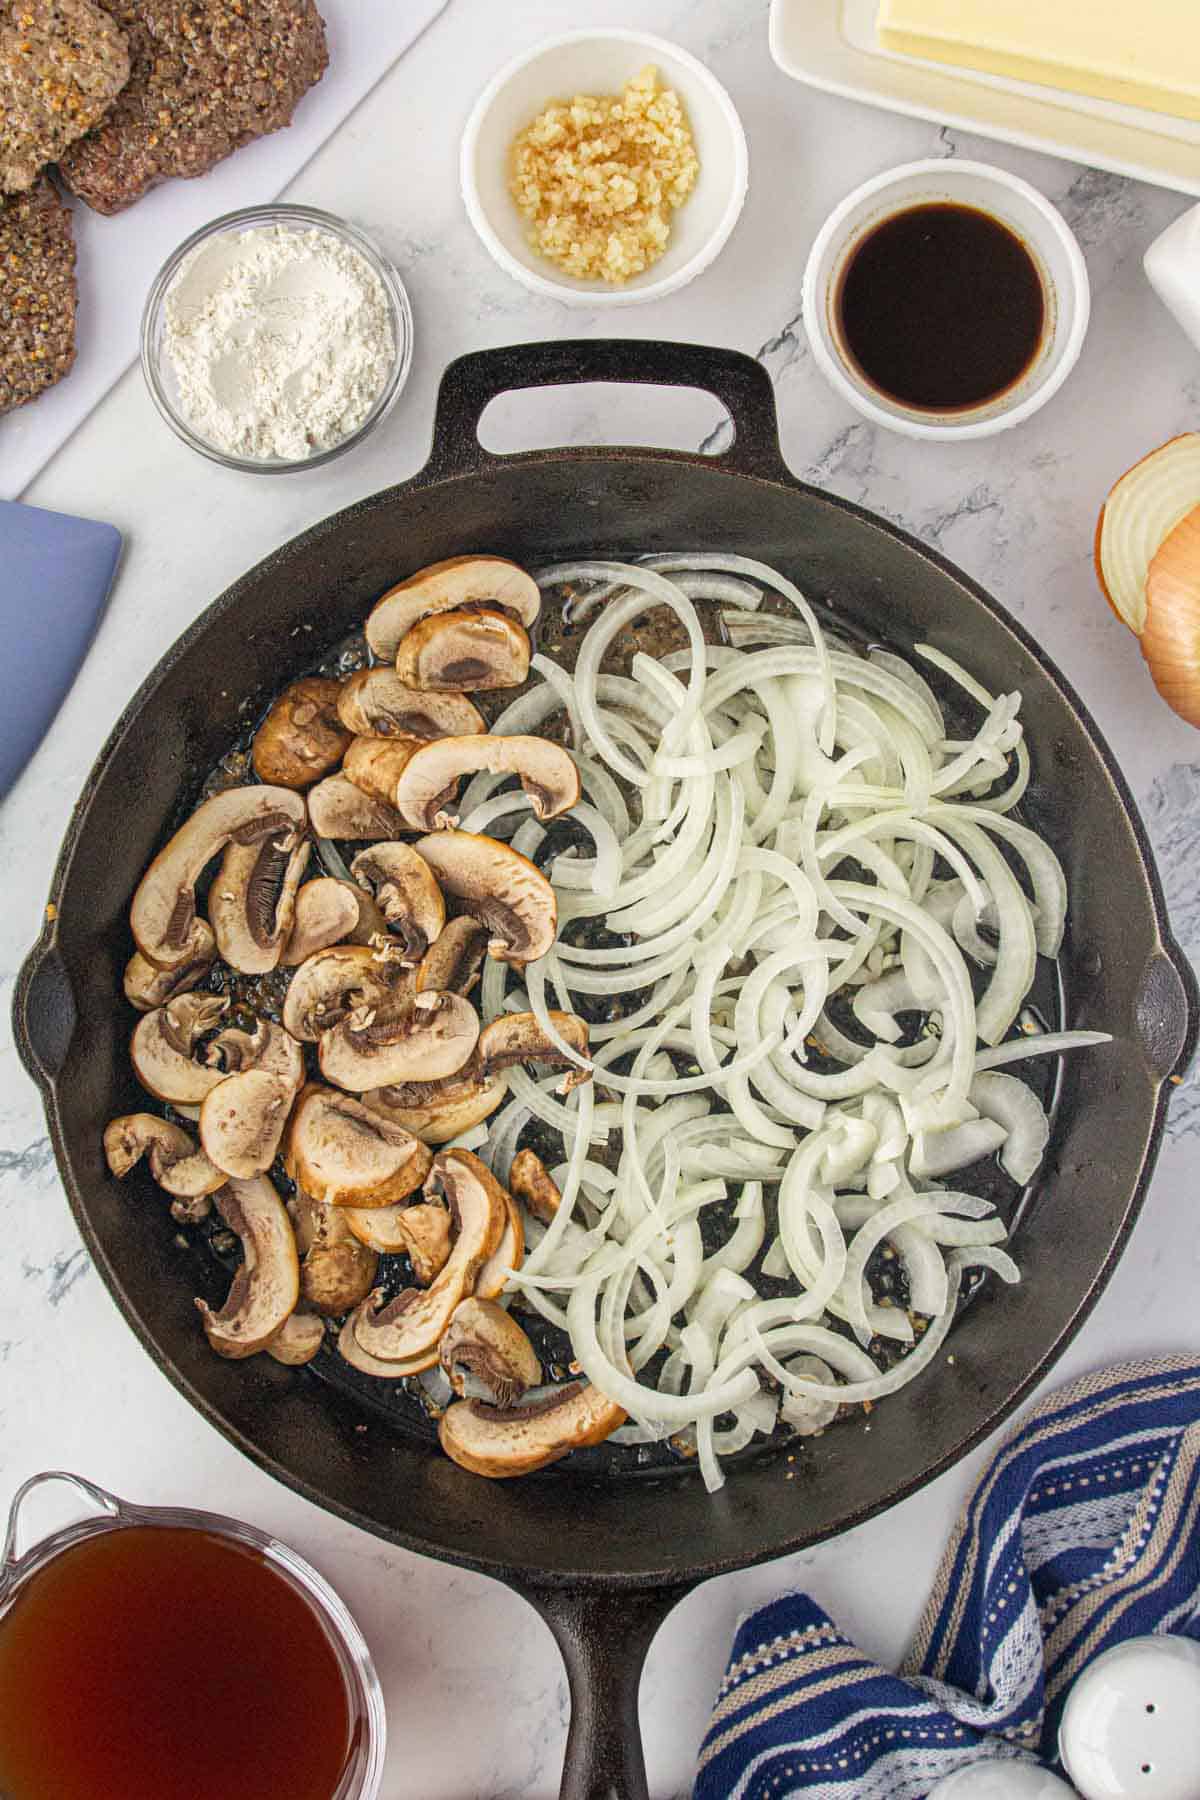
x=404, y=888
x=163, y=1049
x=376, y=764
x=302, y=737
x=486, y=1355
x=408, y=1328
x=499, y=887
x=163, y=915
x=297, y=1340
x=452, y=962
x=252, y=901
x=427, y=791
x=338, y=809
x=508, y=1255
x=432, y=1037
x=376, y=703
x=437, y=1111
x=422, y=1233
x=339, y=1152
x=532, y=1183
x=460, y=581
x=265, y=1046
x=515, y=1440
x=242, y=1121
x=454, y=652
x=266, y=1287
x=147, y=986
x=333, y=983
x=336, y=1268
x=519, y=1038
x=176, y=1164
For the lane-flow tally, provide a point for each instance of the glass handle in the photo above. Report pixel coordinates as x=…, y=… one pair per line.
x=97, y=1497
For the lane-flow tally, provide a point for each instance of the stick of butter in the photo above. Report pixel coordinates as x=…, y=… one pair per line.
x=1145, y=55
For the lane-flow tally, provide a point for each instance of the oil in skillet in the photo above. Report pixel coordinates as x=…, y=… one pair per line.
x=941, y=307
x=156, y=1663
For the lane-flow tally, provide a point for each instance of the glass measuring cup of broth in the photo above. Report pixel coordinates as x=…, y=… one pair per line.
x=157, y=1651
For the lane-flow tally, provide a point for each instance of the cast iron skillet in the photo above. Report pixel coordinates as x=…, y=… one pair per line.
x=603, y=1561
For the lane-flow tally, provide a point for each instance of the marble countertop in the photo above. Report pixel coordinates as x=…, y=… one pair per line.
x=464, y=1663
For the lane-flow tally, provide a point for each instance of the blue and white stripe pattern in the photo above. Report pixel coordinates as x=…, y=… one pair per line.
x=1083, y=1531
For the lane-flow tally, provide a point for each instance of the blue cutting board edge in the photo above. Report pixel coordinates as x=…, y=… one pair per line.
x=56, y=573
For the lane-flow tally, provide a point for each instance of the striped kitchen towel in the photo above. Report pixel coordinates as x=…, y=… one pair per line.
x=1083, y=1530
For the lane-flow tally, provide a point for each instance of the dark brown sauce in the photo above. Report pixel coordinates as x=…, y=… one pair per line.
x=153, y=1663
x=941, y=307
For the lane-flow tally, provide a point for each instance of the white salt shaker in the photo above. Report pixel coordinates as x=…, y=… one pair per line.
x=1131, y=1725
x=1172, y=265
x=1001, y=1781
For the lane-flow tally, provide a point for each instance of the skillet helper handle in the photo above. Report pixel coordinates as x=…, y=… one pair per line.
x=604, y=1637
x=44, y=1013
x=741, y=385
x=1168, y=1011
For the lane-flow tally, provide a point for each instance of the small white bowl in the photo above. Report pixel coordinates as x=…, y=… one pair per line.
x=1040, y=227
x=601, y=62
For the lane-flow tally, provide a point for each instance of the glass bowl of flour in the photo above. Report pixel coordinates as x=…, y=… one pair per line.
x=275, y=338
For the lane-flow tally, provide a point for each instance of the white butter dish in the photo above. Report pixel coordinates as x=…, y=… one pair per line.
x=832, y=45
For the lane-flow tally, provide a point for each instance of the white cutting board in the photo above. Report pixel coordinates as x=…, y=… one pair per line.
x=119, y=257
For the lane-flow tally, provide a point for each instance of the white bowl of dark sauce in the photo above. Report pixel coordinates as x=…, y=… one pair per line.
x=946, y=299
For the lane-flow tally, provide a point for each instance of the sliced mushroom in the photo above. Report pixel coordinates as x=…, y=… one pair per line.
x=454, y=652
x=353, y=1352
x=486, y=1355
x=336, y=1268
x=452, y=962
x=297, y=1340
x=460, y=581
x=519, y=1038
x=437, y=1111
x=422, y=1233
x=408, y=1328
x=163, y=915
x=265, y=1046
x=339, y=1152
x=404, y=888
x=302, y=737
x=264, y=1291
x=515, y=1440
x=432, y=1037
x=499, y=887
x=252, y=901
x=532, y=1183
x=175, y=1163
x=376, y=703
x=163, y=1048
x=376, y=764
x=242, y=1121
x=427, y=791
x=338, y=809
x=331, y=984
x=326, y=913
x=147, y=986
x=508, y=1255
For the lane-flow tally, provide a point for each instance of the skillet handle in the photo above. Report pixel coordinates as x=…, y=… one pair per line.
x=604, y=1636
x=741, y=385
x=44, y=1013
x=1168, y=1011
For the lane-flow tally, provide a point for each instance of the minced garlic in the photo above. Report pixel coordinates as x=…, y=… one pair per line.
x=599, y=176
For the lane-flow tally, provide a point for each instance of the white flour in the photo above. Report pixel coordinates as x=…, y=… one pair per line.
x=280, y=341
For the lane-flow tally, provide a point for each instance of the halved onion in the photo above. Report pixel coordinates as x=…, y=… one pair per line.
x=1171, y=632
x=1142, y=509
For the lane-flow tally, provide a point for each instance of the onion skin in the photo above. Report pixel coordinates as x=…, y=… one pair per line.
x=1171, y=636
